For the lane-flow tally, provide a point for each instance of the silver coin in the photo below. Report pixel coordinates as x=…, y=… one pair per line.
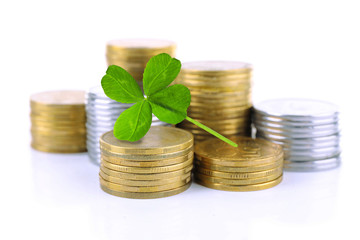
x=297, y=109
x=106, y=107
x=310, y=166
x=107, y=124
x=303, y=146
x=279, y=134
x=296, y=128
x=309, y=155
x=300, y=141
x=97, y=118
x=258, y=117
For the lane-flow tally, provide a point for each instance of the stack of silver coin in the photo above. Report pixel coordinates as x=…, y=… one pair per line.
x=101, y=114
x=308, y=131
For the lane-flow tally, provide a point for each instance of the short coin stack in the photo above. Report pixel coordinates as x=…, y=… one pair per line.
x=133, y=54
x=256, y=164
x=58, y=121
x=102, y=113
x=220, y=97
x=158, y=165
x=308, y=131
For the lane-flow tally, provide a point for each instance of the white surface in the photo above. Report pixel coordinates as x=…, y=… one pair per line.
x=307, y=49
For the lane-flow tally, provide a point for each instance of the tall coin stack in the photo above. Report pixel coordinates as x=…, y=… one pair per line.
x=308, y=131
x=102, y=113
x=133, y=54
x=158, y=165
x=220, y=97
x=58, y=121
x=256, y=164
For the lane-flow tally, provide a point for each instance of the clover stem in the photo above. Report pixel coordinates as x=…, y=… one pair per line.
x=209, y=130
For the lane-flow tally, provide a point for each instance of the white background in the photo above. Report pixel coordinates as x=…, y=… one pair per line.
x=302, y=48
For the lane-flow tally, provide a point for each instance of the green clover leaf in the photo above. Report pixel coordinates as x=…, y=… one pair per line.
x=168, y=103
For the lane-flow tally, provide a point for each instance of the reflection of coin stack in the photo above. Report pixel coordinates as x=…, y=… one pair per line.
x=308, y=131
x=220, y=97
x=255, y=165
x=58, y=121
x=158, y=165
x=102, y=113
x=133, y=54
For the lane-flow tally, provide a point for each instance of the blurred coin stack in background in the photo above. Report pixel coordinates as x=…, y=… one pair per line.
x=220, y=97
x=102, y=113
x=308, y=131
x=256, y=164
x=58, y=121
x=158, y=165
x=133, y=54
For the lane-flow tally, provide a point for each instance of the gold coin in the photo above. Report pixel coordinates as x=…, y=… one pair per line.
x=240, y=188
x=66, y=124
x=246, y=169
x=218, y=95
x=245, y=76
x=240, y=162
x=59, y=98
x=237, y=182
x=208, y=111
x=248, y=150
x=58, y=131
x=215, y=67
x=153, y=176
x=240, y=175
x=157, y=163
x=158, y=140
x=223, y=101
x=118, y=187
x=144, y=183
x=143, y=195
x=147, y=170
x=147, y=157
x=235, y=85
x=59, y=140
x=138, y=45
x=56, y=149
x=223, y=132
x=43, y=116
x=245, y=126
x=226, y=122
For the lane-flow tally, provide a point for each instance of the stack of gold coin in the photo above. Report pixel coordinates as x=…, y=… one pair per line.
x=58, y=121
x=220, y=97
x=255, y=165
x=133, y=54
x=158, y=165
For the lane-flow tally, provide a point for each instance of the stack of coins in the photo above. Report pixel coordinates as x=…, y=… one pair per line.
x=102, y=113
x=158, y=165
x=255, y=165
x=133, y=54
x=308, y=131
x=220, y=97
x=58, y=121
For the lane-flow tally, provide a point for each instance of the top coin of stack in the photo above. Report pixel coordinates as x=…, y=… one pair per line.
x=220, y=97
x=133, y=54
x=255, y=165
x=308, y=131
x=158, y=165
x=58, y=121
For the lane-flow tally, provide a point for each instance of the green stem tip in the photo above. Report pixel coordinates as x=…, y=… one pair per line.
x=209, y=130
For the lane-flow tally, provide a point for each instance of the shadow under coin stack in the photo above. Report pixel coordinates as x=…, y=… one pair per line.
x=58, y=121
x=133, y=54
x=308, y=131
x=158, y=165
x=256, y=164
x=102, y=113
x=220, y=97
